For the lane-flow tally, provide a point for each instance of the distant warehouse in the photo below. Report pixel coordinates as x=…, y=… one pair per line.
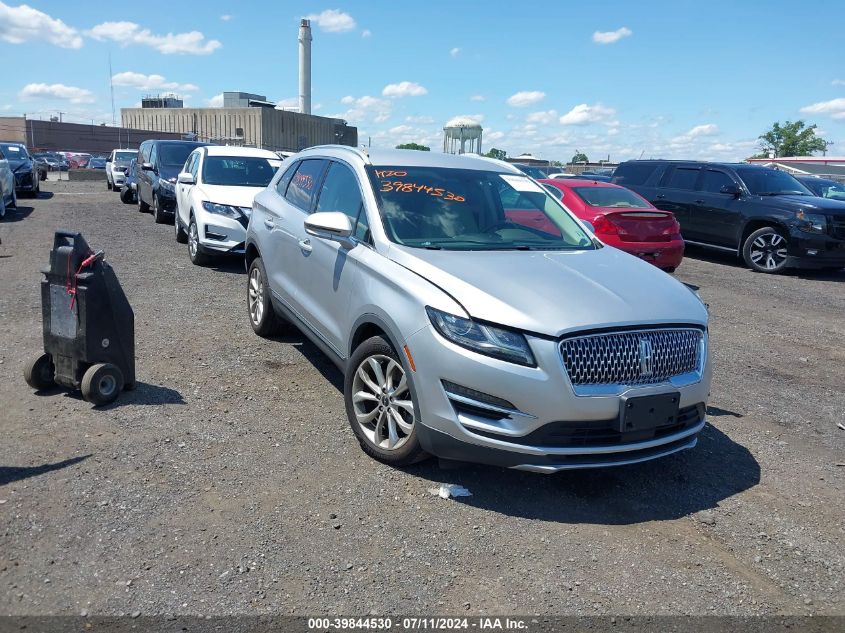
x=245, y=119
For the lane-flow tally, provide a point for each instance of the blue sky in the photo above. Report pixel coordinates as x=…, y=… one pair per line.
x=621, y=78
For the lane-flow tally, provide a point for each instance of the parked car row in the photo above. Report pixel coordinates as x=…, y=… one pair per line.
x=26, y=172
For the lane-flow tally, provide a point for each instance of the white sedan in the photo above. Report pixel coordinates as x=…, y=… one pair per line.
x=214, y=195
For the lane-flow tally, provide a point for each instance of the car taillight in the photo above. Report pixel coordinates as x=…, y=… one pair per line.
x=675, y=229
x=604, y=226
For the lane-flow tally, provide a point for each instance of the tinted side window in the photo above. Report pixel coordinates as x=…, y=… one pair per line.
x=713, y=181
x=683, y=178
x=145, y=152
x=282, y=183
x=2, y=155
x=362, y=228
x=153, y=154
x=195, y=166
x=304, y=183
x=634, y=173
x=340, y=192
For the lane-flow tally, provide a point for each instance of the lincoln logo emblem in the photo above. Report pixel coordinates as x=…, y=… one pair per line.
x=646, y=357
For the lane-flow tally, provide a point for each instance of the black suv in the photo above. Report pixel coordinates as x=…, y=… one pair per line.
x=762, y=214
x=157, y=167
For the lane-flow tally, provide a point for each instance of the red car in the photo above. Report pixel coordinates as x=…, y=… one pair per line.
x=623, y=219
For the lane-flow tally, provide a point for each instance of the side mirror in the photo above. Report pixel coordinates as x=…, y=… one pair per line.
x=147, y=167
x=186, y=178
x=731, y=190
x=330, y=225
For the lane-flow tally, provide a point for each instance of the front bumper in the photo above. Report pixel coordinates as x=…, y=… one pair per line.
x=549, y=428
x=221, y=234
x=167, y=199
x=810, y=250
x=118, y=178
x=26, y=181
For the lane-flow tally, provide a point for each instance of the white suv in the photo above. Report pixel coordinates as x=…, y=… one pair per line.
x=117, y=166
x=214, y=195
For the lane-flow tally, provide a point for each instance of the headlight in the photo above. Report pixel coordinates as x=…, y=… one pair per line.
x=811, y=222
x=166, y=185
x=484, y=339
x=221, y=209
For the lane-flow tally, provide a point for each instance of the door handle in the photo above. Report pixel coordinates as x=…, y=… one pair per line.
x=699, y=201
x=661, y=196
x=305, y=245
x=269, y=223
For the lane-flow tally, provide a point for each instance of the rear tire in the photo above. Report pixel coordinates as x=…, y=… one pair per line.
x=195, y=252
x=262, y=316
x=765, y=250
x=40, y=373
x=380, y=404
x=102, y=383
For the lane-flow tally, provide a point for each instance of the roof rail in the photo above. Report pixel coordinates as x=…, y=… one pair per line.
x=362, y=154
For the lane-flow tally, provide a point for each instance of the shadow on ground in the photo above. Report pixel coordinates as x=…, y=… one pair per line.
x=9, y=474
x=143, y=394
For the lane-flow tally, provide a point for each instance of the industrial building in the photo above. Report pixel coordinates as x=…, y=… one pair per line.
x=51, y=136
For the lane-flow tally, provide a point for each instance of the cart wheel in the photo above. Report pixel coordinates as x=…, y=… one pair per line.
x=102, y=383
x=39, y=373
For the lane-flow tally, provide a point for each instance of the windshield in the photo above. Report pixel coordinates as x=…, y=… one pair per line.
x=174, y=155
x=123, y=157
x=14, y=151
x=771, y=182
x=463, y=209
x=534, y=172
x=826, y=188
x=615, y=197
x=238, y=171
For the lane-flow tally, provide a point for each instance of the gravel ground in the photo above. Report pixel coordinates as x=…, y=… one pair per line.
x=229, y=482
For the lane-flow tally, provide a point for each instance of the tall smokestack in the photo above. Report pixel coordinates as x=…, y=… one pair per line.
x=305, y=66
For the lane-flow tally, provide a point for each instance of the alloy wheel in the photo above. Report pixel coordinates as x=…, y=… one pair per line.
x=193, y=239
x=382, y=402
x=256, y=296
x=769, y=251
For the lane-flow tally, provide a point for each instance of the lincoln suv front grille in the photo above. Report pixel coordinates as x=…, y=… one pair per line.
x=641, y=357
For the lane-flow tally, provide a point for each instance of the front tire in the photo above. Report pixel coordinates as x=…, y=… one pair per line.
x=765, y=250
x=195, y=252
x=126, y=196
x=262, y=316
x=158, y=215
x=380, y=405
x=102, y=383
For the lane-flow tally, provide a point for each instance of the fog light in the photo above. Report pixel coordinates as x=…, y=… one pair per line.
x=476, y=395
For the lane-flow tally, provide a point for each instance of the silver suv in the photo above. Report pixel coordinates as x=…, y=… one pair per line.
x=473, y=316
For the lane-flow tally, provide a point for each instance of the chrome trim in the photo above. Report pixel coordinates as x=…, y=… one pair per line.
x=590, y=450
x=553, y=469
x=478, y=404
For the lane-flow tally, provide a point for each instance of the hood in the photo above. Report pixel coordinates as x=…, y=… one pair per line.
x=19, y=165
x=235, y=196
x=555, y=292
x=169, y=172
x=812, y=203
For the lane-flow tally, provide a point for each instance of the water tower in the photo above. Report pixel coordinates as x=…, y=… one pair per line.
x=461, y=135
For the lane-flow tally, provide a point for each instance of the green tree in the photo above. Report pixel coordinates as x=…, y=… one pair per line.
x=498, y=154
x=416, y=146
x=580, y=157
x=791, y=139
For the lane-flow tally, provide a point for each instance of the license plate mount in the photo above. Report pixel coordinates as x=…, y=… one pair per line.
x=638, y=413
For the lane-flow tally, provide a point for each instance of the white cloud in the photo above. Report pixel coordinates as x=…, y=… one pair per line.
x=706, y=129
x=216, y=101
x=125, y=33
x=149, y=82
x=455, y=52
x=610, y=37
x=404, y=89
x=838, y=82
x=366, y=33
x=57, y=91
x=365, y=109
x=332, y=21
x=478, y=98
x=546, y=117
x=288, y=103
x=835, y=108
x=525, y=98
x=226, y=17
x=24, y=24
x=420, y=120
x=584, y=114
x=490, y=137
